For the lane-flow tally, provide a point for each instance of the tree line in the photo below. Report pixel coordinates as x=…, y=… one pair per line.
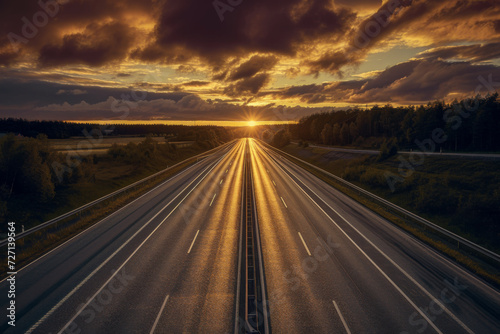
x=468, y=125
x=64, y=130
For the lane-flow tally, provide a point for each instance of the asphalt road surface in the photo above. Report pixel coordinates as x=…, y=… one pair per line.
x=168, y=263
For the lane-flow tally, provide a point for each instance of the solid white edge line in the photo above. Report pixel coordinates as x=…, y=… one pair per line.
x=159, y=315
x=192, y=244
x=283, y=202
x=305, y=245
x=114, y=253
x=366, y=255
x=341, y=317
x=213, y=199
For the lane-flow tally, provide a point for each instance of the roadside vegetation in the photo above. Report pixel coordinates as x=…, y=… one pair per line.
x=459, y=194
x=485, y=269
x=467, y=125
x=37, y=183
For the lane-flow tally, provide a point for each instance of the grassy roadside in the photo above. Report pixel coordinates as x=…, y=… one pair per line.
x=314, y=156
x=38, y=243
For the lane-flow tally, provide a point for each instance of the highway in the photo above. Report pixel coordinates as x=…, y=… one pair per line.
x=169, y=263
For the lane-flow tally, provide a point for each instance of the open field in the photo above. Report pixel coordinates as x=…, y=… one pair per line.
x=99, y=146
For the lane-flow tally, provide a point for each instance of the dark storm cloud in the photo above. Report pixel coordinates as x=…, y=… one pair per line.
x=7, y=58
x=37, y=93
x=240, y=53
x=429, y=80
x=416, y=81
x=246, y=86
x=362, y=38
x=360, y=4
x=48, y=22
x=195, y=83
x=98, y=45
x=67, y=102
x=441, y=21
x=475, y=53
x=253, y=66
x=99, y=32
x=257, y=26
x=462, y=9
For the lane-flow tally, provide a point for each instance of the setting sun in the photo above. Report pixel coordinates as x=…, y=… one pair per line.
x=252, y=123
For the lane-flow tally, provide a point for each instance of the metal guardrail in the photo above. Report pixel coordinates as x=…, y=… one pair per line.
x=109, y=196
x=405, y=214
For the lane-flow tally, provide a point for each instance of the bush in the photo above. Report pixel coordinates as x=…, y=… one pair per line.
x=436, y=197
x=388, y=149
x=374, y=178
x=353, y=173
x=281, y=138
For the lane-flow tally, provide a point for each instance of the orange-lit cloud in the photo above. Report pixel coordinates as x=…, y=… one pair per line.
x=262, y=54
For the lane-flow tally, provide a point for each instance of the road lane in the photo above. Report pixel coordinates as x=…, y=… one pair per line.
x=163, y=267
x=48, y=281
x=167, y=263
x=301, y=288
x=431, y=281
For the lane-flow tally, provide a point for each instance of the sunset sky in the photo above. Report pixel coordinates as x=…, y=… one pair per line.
x=240, y=59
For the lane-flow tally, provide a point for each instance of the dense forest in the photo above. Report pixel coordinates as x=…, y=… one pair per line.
x=467, y=125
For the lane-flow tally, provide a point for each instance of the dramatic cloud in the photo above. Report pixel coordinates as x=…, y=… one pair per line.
x=253, y=66
x=98, y=45
x=195, y=28
x=35, y=93
x=249, y=85
x=413, y=82
x=474, y=53
x=77, y=54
